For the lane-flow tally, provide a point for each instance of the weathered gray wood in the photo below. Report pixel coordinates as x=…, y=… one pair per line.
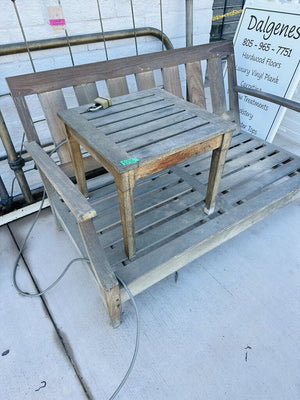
x=148, y=270
x=127, y=113
x=97, y=144
x=109, y=220
x=159, y=214
x=86, y=93
x=90, y=164
x=26, y=119
x=195, y=86
x=250, y=172
x=281, y=101
x=162, y=133
x=77, y=162
x=252, y=186
x=69, y=225
x=189, y=141
x=117, y=86
x=215, y=173
x=65, y=77
x=52, y=196
x=233, y=95
x=129, y=103
x=151, y=123
x=66, y=189
x=102, y=271
x=52, y=103
x=216, y=83
x=171, y=80
x=171, y=227
x=188, y=106
x=145, y=80
x=119, y=103
x=151, y=152
x=157, y=112
x=126, y=202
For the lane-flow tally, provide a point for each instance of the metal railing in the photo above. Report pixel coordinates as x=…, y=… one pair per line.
x=15, y=161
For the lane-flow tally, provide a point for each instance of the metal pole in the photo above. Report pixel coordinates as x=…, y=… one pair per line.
x=45, y=44
x=102, y=30
x=223, y=19
x=15, y=162
x=24, y=36
x=68, y=41
x=161, y=23
x=189, y=22
x=134, y=30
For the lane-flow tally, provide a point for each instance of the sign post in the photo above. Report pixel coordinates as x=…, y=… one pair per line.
x=267, y=53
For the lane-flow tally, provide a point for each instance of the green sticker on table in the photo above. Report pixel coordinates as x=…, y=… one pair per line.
x=129, y=161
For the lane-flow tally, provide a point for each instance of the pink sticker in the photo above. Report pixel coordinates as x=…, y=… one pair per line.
x=56, y=22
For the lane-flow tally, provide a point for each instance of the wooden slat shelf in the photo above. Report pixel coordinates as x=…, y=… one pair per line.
x=258, y=178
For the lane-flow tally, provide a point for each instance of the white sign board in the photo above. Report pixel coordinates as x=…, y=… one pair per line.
x=267, y=52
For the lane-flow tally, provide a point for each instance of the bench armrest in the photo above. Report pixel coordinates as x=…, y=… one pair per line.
x=74, y=199
x=292, y=105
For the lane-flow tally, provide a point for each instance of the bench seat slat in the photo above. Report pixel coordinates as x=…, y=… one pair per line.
x=195, y=84
x=117, y=86
x=86, y=93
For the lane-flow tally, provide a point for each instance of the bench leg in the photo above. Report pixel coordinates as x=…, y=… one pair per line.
x=112, y=300
x=215, y=173
x=107, y=281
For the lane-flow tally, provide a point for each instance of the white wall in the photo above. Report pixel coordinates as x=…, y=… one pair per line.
x=82, y=18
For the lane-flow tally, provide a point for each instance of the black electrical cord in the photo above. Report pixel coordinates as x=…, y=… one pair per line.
x=22, y=292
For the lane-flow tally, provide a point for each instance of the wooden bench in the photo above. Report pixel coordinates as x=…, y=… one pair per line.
x=170, y=229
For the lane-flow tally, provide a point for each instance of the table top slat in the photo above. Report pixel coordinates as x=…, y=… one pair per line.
x=138, y=121
x=164, y=133
x=156, y=121
x=177, y=143
x=117, y=101
x=125, y=115
x=122, y=107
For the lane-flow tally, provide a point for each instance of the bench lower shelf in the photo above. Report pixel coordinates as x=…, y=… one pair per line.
x=171, y=226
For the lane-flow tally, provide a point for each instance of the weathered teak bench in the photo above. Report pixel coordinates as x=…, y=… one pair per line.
x=171, y=228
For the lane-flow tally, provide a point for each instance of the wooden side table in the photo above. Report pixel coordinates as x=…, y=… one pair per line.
x=143, y=133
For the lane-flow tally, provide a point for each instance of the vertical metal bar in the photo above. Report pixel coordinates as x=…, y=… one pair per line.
x=102, y=30
x=161, y=23
x=23, y=33
x=189, y=22
x=134, y=29
x=69, y=47
x=68, y=40
x=223, y=19
x=14, y=161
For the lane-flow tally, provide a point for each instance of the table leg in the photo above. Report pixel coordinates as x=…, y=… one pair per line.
x=126, y=201
x=77, y=163
x=215, y=173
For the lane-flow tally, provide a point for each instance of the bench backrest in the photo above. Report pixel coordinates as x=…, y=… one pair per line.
x=149, y=70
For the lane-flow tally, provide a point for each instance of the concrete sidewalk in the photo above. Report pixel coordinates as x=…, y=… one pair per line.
x=228, y=329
